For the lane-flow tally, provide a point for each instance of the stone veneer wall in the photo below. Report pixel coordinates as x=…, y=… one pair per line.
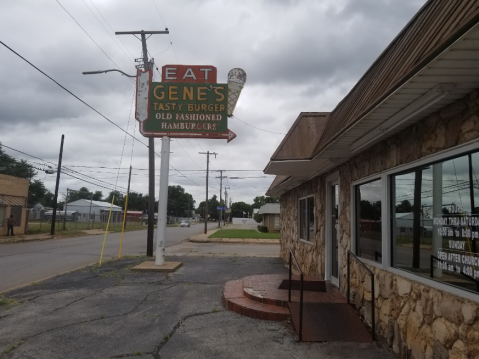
x=415, y=320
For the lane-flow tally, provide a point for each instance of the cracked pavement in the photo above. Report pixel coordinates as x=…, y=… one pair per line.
x=110, y=312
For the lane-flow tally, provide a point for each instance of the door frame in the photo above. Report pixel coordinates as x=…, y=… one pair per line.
x=331, y=180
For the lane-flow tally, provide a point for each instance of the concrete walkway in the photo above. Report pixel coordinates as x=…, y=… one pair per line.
x=111, y=312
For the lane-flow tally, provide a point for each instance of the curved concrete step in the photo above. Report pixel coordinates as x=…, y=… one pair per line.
x=234, y=299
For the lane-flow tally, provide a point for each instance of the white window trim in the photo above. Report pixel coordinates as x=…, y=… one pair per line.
x=386, y=224
x=299, y=218
x=384, y=214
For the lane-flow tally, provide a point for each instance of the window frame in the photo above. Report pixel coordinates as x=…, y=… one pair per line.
x=4, y=217
x=384, y=264
x=441, y=156
x=355, y=204
x=308, y=239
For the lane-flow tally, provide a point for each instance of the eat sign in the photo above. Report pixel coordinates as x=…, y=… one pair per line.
x=188, y=73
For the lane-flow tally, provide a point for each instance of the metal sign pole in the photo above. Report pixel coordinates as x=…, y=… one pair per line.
x=163, y=201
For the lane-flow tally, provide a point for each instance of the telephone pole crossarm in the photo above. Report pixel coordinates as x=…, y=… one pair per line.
x=141, y=32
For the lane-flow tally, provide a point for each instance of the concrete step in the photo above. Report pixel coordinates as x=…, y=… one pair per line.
x=234, y=299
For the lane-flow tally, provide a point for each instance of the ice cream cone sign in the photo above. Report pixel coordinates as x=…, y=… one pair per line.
x=236, y=81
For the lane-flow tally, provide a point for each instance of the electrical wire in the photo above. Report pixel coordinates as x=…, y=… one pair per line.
x=257, y=128
x=129, y=58
x=91, y=38
x=169, y=36
x=71, y=93
x=119, y=38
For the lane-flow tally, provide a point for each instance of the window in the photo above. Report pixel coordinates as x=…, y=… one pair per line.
x=17, y=215
x=2, y=216
x=276, y=222
x=306, y=219
x=368, y=220
x=435, y=221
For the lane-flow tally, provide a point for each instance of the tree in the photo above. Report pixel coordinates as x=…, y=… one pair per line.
x=13, y=167
x=137, y=201
x=404, y=207
x=259, y=201
x=213, y=204
x=37, y=193
x=370, y=210
x=119, y=199
x=75, y=195
x=180, y=203
x=238, y=208
x=97, y=196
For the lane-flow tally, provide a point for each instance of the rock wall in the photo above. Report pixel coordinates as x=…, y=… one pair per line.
x=415, y=320
x=309, y=255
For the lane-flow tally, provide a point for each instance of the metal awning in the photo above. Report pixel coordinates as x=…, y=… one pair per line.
x=452, y=75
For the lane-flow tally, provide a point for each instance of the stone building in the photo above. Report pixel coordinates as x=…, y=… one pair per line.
x=13, y=201
x=401, y=147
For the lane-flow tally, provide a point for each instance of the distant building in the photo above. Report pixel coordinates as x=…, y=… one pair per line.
x=13, y=200
x=98, y=210
x=271, y=216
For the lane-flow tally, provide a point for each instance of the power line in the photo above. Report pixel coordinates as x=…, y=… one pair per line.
x=257, y=128
x=107, y=31
x=171, y=41
x=91, y=38
x=112, y=29
x=71, y=93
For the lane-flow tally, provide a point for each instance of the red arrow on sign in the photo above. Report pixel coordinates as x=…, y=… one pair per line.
x=230, y=136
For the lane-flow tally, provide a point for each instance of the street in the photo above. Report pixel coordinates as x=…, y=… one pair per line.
x=23, y=263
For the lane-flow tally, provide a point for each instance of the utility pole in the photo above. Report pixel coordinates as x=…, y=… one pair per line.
x=221, y=189
x=89, y=212
x=151, y=145
x=65, y=212
x=207, y=175
x=226, y=203
x=54, y=215
x=126, y=200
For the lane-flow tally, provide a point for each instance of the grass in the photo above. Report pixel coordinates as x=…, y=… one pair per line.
x=243, y=233
x=6, y=301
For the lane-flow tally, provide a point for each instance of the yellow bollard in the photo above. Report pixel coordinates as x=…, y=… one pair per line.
x=123, y=228
x=106, y=231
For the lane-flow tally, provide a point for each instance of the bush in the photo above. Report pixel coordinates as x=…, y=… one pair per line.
x=263, y=229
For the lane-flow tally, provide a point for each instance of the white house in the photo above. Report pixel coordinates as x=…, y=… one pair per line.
x=98, y=210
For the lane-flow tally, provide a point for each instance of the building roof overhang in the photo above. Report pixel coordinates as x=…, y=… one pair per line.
x=448, y=76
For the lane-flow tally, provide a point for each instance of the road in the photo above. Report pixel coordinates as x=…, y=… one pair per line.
x=23, y=263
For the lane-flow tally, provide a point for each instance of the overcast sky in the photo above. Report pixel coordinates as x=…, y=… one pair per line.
x=298, y=55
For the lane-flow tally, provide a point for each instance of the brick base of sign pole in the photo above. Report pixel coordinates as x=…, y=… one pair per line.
x=149, y=266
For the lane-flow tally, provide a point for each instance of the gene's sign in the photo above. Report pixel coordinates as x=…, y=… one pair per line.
x=187, y=108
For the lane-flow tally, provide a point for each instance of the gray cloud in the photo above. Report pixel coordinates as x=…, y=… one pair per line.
x=299, y=56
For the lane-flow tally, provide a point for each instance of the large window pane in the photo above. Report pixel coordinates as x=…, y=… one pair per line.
x=368, y=221
x=435, y=222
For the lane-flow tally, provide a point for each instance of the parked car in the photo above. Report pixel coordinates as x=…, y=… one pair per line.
x=184, y=224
